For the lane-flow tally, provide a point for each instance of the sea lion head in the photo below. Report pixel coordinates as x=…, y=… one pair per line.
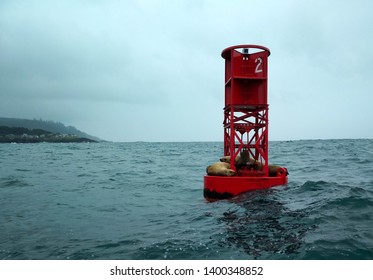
x=220, y=169
x=230, y=172
x=226, y=159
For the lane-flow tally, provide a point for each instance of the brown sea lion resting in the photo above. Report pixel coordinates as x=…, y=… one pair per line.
x=272, y=170
x=242, y=159
x=220, y=169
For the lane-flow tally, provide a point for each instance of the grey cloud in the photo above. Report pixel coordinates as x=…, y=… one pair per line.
x=92, y=63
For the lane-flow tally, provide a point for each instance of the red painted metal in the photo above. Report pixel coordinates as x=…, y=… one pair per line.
x=218, y=187
x=245, y=122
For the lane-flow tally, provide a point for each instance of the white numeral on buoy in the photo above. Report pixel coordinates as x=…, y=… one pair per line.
x=258, y=68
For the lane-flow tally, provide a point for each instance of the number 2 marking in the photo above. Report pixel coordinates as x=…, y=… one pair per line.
x=258, y=68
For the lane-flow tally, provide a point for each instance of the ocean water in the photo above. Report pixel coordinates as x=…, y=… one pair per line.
x=145, y=201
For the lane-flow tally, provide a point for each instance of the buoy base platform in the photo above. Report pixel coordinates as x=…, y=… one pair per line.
x=223, y=187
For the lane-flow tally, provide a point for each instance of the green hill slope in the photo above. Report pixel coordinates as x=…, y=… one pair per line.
x=49, y=126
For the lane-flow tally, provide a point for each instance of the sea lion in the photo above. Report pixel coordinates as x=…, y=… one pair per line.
x=273, y=170
x=242, y=159
x=220, y=169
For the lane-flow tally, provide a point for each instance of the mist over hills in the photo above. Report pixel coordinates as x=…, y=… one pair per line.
x=51, y=126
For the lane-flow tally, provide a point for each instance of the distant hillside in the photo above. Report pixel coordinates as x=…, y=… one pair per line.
x=25, y=135
x=54, y=127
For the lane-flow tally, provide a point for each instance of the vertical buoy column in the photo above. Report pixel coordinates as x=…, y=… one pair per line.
x=246, y=106
x=244, y=166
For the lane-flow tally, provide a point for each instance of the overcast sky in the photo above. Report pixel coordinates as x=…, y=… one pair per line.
x=153, y=71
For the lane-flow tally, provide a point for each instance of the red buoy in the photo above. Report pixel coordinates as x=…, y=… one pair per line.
x=245, y=127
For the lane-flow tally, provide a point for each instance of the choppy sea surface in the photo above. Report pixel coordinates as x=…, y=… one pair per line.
x=145, y=201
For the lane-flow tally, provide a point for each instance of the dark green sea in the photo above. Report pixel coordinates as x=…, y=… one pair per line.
x=145, y=201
